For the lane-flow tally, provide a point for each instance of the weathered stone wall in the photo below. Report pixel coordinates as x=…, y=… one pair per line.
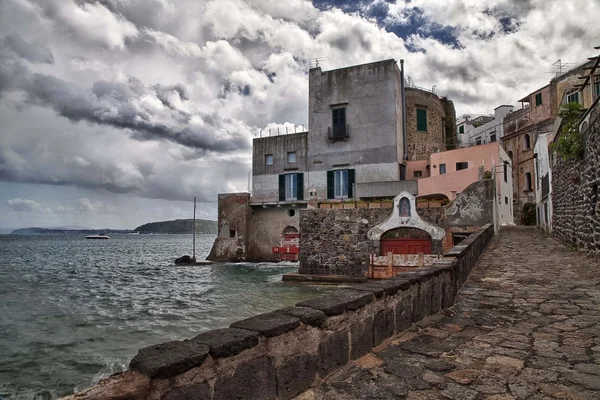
x=421, y=144
x=267, y=225
x=283, y=353
x=334, y=242
x=576, y=193
x=233, y=215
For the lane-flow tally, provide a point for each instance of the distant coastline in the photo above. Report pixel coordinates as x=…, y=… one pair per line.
x=178, y=226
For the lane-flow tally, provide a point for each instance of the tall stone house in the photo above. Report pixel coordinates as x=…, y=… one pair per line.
x=365, y=124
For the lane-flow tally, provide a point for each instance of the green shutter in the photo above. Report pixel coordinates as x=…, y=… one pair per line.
x=281, y=187
x=538, y=99
x=330, y=185
x=461, y=129
x=300, y=186
x=421, y=119
x=351, y=183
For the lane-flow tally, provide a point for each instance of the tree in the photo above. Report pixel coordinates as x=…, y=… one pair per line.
x=569, y=144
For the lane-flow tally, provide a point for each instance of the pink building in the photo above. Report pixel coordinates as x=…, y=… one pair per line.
x=448, y=173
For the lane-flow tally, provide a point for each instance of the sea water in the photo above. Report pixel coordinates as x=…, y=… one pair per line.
x=73, y=311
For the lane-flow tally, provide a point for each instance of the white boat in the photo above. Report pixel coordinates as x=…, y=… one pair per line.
x=103, y=236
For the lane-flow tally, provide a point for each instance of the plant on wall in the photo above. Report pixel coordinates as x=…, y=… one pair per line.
x=528, y=216
x=487, y=175
x=569, y=144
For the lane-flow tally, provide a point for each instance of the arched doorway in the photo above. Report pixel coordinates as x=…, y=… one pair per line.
x=405, y=241
x=290, y=244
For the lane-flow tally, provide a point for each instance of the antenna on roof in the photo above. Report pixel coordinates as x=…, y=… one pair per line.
x=314, y=62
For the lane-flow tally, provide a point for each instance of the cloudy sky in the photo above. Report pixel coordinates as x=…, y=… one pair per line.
x=117, y=112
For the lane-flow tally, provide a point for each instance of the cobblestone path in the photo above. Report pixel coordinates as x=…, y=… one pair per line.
x=526, y=325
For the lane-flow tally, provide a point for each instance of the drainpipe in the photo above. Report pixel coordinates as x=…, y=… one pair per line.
x=403, y=94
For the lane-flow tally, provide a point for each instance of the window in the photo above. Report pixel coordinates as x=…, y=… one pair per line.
x=291, y=187
x=339, y=122
x=506, y=171
x=442, y=169
x=538, y=99
x=527, y=142
x=597, y=88
x=291, y=157
x=232, y=233
x=340, y=184
x=510, y=155
x=527, y=182
x=573, y=97
x=493, y=137
x=269, y=159
x=462, y=165
x=546, y=211
x=422, y=119
x=461, y=129
x=417, y=174
x=478, y=141
x=506, y=200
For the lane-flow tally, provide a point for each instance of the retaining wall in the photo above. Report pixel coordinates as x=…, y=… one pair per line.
x=280, y=354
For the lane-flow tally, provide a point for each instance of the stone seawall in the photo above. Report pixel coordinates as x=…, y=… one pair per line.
x=576, y=193
x=280, y=354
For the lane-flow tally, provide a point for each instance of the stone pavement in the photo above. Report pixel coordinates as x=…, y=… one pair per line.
x=526, y=325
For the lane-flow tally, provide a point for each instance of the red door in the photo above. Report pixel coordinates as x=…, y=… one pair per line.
x=405, y=246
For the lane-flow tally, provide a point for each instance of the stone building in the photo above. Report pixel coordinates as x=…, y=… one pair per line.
x=521, y=129
x=430, y=126
x=355, y=149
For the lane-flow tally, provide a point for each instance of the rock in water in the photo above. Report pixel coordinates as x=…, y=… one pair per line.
x=185, y=260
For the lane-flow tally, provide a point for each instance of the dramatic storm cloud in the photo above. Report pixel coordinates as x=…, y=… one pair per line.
x=107, y=104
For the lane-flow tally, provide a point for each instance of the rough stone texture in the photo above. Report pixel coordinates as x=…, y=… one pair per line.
x=383, y=326
x=334, y=242
x=252, y=380
x=199, y=391
x=295, y=374
x=337, y=303
x=169, y=359
x=227, y=342
x=361, y=338
x=422, y=144
x=333, y=352
x=526, y=325
x=576, y=193
x=269, y=324
x=308, y=316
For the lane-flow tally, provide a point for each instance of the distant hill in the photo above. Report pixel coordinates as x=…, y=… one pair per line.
x=178, y=226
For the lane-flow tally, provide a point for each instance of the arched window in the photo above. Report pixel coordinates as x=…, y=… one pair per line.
x=510, y=154
x=527, y=142
x=528, y=181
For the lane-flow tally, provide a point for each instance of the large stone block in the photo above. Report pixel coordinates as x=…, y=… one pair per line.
x=436, y=294
x=403, y=317
x=337, y=303
x=361, y=337
x=308, y=316
x=169, y=359
x=269, y=324
x=421, y=303
x=295, y=374
x=227, y=342
x=333, y=352
x=383, y=326
x=252, y=380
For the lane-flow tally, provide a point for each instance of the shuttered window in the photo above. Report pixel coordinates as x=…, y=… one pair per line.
x=340, y=184
x=538, y=99
x=291, y=187
x=422, y=119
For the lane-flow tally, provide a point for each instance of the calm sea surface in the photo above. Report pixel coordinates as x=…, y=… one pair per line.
x=74, y=310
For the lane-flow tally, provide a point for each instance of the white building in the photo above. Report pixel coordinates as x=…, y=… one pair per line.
x=483, y=129
x=543, y=182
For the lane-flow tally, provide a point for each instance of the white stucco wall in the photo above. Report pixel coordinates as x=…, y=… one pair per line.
x=542, y=167
x=505, y=189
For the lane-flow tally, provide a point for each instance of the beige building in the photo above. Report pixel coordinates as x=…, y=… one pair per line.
x=521, y=129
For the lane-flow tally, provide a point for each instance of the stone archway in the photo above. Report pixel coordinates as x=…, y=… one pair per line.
x=404, y=215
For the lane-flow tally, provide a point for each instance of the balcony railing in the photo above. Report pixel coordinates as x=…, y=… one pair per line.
x=338, y=132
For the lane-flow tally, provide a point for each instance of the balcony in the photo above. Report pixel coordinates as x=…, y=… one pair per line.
x=338, y=132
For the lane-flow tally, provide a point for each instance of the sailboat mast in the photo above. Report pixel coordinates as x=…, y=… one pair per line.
x=194, y=231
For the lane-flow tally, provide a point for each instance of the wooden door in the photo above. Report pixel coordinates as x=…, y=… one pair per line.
x=405, y=246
